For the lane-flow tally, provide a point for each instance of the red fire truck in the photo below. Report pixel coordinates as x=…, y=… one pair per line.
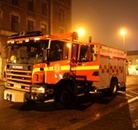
x=41, y=67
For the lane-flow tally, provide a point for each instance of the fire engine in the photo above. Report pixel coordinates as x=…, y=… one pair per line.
x=58, y=67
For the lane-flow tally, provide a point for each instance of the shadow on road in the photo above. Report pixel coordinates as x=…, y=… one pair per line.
x=82, y=103
x=108, y=113
x=42, y=107
x=114, y=116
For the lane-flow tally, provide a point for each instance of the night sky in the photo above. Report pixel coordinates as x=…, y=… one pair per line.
x=103, y=20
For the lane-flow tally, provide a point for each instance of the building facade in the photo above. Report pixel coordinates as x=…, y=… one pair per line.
x=132, y=62
x=48, y=16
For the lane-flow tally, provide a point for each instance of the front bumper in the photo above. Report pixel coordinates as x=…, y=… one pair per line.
x=19, y=96
x=36, y=96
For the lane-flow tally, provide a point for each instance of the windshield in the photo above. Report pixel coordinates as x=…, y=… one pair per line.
x=28, y=52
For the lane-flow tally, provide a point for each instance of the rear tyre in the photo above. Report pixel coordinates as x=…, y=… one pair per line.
x=123, y=88
x=113, y=87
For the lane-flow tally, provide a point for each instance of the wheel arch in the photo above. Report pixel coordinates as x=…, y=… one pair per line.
x=68, y=78
x=113, y=78
x=113, y=86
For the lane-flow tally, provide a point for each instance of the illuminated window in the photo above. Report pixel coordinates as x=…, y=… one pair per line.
x=130, y=62
x=136, y=61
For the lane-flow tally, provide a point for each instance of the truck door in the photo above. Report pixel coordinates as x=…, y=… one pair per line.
x=87, y=67
x=59, y=62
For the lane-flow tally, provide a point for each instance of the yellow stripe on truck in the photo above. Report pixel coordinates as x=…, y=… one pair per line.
x=61, y=68
x=51, y=68
x=86, y=68
x=65, y=67
x=35, y=70
x=48, y=68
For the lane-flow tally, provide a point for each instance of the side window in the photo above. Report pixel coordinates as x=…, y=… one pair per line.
x=94, y=51
x=66, y=51
x=58, y=51
x=85, y=53
x=88, y=53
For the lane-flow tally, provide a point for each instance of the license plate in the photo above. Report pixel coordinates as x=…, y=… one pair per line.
x=8, y=96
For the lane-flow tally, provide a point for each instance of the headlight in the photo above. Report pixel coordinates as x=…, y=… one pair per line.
x=38, y=90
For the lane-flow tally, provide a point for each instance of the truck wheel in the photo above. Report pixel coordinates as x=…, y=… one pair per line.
x=123, y=88
x=65, y=97
x=113, y=87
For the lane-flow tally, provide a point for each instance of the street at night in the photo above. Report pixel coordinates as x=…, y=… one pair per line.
x=119, y=113
x=68, y=65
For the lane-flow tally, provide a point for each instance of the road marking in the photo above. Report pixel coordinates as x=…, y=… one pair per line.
x=128, y=95
x=97, y=116
x=134, y=92
x=132, y=99
x=50, y=100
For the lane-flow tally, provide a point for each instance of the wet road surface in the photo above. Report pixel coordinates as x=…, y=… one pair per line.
x=98, y=113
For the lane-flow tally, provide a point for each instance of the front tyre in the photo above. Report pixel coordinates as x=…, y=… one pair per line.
x=65, y=97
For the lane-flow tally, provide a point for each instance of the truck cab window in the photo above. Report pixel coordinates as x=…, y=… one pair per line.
x=58, y=51
x=85, y=53
x=88, y=53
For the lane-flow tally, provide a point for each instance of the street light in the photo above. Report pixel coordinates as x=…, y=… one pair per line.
x=123, y=33
x=81, y=32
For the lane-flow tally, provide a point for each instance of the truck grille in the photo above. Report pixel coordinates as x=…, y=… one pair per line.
x=19, y=77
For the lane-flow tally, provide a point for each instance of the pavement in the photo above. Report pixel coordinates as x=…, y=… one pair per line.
x=131, y=79
x=2, y=82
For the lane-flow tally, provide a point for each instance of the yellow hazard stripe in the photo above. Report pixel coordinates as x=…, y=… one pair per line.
x=61, y=68
x=51, y=68
x=65, y=67
x=35, y=70
x=48, y=68
x=86, y=68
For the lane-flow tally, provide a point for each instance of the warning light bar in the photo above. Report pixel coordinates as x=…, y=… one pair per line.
x=26, y=34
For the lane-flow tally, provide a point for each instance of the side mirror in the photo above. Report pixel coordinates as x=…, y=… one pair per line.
x=46, y=55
